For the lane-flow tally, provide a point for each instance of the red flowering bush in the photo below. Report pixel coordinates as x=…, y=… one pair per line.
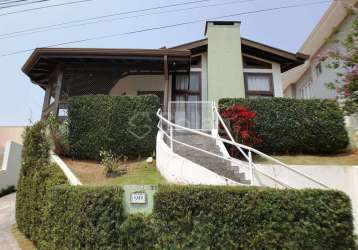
x=240, y=121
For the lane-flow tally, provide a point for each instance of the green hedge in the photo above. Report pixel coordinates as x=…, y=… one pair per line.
x=37, y=176
x=58, y=216
x=296, y=126
x=125, y=125
x=249, y=218
x=83, y=218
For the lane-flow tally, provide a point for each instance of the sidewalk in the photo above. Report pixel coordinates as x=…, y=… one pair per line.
x=7, y=218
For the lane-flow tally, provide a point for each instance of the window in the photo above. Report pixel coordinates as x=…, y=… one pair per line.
x=306, y=91
x=319, y=69
x=258, y=84
x=196, y=62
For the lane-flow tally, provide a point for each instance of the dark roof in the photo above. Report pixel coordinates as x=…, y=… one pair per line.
x=43, y=61
x=97, y=53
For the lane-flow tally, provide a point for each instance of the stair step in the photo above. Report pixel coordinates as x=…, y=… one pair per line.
x=213, y=163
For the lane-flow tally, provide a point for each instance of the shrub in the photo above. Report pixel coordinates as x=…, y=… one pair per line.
x=197, y=217
x=82, y=218
x=58, y=135
x=296, y=126
x=111, y=164
x=240, y=123
x=124, y=125
x=37, y=176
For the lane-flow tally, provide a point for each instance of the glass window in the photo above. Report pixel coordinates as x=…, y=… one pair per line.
x=306, y=91
x=195, y=81
x=319, y=69
x=259, y=84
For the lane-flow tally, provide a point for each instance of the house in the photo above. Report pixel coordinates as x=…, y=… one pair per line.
x=223, y=64
x=310, y=79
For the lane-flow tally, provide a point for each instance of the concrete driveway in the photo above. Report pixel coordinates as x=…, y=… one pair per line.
x=7, y=218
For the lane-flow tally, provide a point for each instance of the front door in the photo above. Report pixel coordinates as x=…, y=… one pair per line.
x=186, y=96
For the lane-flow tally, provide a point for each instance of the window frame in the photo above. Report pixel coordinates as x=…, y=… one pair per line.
x=269, y=93
x=318, y=69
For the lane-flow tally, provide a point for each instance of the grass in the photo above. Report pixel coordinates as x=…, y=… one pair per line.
x=23, y=242
x=344, y=159
x=139, y=172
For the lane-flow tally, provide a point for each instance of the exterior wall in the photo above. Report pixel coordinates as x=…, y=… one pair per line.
x=11, y=164
x=290, y=91
x=276, y=75
x=131, y=84
x=318, y=87
x=204, y=76
x=225, y=68
x=10, y=134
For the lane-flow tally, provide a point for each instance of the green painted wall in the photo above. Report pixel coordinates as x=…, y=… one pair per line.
x=130, y=208
x=225, y=67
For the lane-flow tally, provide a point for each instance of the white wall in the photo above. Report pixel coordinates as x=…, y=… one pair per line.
x=178, y=170
x=276, y=75
x=11, y=165
x=129, y=85
x=318, y=88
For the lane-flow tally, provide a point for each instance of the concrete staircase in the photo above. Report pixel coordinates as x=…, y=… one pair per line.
x=215, y=164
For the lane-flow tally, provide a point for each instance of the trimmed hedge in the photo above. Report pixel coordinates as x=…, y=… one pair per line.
x=124, y=125
x=83, y=218
x=250, y=218
x=37, y=176
x=296, y=126
x=59, y=216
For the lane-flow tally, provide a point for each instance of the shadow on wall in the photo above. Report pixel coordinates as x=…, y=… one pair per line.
x=11, y=164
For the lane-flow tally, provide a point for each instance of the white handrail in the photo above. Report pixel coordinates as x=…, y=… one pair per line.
x=269, y=157
x=233, y=160
x=238, y=145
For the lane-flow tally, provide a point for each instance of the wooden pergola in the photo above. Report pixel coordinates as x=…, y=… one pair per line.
x=67, y=72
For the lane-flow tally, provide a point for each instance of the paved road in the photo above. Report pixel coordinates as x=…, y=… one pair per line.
x=7, y=218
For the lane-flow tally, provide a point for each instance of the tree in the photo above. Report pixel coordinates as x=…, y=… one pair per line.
x=345, y=62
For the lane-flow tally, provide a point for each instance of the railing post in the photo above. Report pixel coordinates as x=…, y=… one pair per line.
x=171, y=137
x=213, y=116
x=251, y=168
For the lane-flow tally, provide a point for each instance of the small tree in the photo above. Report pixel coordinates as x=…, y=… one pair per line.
x=345, y=61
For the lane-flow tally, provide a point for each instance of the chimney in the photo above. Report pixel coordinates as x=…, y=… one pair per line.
x=225, y=67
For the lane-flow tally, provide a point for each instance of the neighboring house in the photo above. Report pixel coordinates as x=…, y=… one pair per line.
x=221, y=65
x=310, y=80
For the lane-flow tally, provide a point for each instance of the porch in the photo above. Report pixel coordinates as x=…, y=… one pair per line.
x=65, y=73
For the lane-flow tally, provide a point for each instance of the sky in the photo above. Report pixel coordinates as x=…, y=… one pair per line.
x=21, y=101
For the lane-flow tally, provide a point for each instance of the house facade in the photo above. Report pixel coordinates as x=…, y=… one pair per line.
x=310, y=79
x=223, y=64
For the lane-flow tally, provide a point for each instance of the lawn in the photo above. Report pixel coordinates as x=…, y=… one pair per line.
x=23, y=242
x=139, y=172
x=346, y=159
